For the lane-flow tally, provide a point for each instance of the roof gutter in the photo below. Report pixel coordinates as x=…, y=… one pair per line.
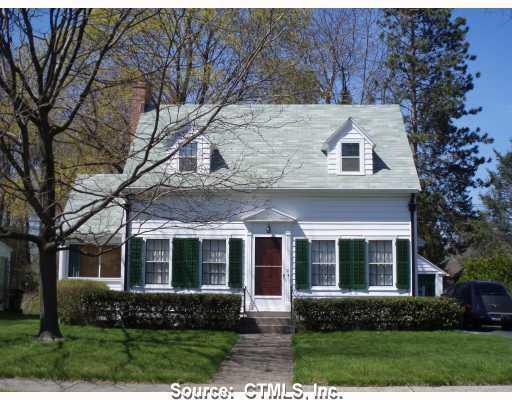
x=412, y=211
x=126, y=241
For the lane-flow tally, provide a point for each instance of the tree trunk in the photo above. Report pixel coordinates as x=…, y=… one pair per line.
x=49, y=321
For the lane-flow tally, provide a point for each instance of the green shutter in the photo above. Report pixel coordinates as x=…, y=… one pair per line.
x=185, y=263
x=302, y=264
x=74, y=261
x=345, y=263
x=359, y=263
x=352, y=264
x=135, y=246
x=235, y=262
x=403, y=263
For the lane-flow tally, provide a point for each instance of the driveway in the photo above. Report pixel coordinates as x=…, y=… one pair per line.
x=489, y=330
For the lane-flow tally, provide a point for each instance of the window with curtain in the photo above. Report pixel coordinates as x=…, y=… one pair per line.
x=188, y=157
x=323, y=262
x=157, y=261
x=380, y=262
x=214, y=262
x=350, y=157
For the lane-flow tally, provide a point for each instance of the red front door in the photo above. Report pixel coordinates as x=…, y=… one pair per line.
x=269, y=264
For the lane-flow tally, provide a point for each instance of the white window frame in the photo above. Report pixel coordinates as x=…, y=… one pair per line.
x=168, y=285
x=169, y=262
x=393, y=250
x=226, y=284
x=98, y=277
x=361, y=157
x=336, y=268
x=196, y=143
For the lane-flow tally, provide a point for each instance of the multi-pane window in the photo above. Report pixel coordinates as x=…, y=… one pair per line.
x=380, y=262
x=214, y=262
x=323, y=262
x=97, y=262
x=188, y=157
x=350, y=157
x=157, y=261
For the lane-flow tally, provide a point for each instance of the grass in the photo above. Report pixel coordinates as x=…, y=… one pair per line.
x=119, y=355
x=365, y=358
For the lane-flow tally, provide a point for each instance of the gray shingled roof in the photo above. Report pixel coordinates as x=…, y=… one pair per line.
x=264, y=141
x=87, y=192
x=270, y=139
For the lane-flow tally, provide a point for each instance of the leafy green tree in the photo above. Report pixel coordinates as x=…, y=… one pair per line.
x=428, y=75
x=496, y=267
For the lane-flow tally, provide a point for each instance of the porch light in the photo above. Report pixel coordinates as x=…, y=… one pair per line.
x=268, y=229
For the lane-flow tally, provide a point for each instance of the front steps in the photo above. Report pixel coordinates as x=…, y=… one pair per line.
x=266, y=322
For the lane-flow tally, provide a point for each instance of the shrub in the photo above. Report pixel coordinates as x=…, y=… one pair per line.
x=378, y=313
x=494, y=268
x=30, y=303
x=68, y=299
x=69, y=292
x=162, y=310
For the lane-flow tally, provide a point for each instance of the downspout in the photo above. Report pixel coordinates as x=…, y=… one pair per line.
x=412, y=210
x=126, y=242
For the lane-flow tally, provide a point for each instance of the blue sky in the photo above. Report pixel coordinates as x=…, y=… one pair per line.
x=490, y=38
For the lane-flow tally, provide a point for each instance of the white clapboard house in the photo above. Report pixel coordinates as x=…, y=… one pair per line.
x=320, y=203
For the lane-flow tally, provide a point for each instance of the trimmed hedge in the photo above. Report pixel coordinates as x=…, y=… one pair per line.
x=161, y=310
x=378, y=313
x=68, y=299
x=69, y=293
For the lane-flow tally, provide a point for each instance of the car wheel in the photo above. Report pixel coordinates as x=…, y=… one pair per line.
x=507, y=327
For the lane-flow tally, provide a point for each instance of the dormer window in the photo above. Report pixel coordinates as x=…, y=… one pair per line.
x=188, y=157
x=351, y=157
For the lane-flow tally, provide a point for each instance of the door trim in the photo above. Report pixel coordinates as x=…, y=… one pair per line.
x=253, y=274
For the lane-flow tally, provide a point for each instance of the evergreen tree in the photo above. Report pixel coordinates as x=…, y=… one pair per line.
x=492, y=231
x=428, y=75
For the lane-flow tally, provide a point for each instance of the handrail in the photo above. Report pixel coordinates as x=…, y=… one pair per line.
x=245, y=293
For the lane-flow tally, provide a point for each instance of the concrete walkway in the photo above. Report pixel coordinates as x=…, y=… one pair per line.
x=38, y=385
x=257, y=358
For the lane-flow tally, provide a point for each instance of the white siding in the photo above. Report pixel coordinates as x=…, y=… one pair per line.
x=333, y=154
x=317, y=217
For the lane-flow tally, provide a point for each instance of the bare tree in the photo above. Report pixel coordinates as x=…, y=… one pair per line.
x=346, y=53
x=55, y=68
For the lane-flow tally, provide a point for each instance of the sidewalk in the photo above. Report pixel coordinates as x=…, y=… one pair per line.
x=37, y=385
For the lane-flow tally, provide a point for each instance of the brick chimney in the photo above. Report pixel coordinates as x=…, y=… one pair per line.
x=141, y=96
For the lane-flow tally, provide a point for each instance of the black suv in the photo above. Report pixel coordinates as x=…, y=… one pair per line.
x=485, y=303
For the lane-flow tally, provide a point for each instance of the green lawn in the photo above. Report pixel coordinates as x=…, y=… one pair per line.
x=367, y=358
x=124, y=355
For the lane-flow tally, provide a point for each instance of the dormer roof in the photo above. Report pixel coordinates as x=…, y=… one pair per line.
x=347, y=126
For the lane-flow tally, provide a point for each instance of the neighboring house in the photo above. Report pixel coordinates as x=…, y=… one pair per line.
x=5, y=262
x=337, y=220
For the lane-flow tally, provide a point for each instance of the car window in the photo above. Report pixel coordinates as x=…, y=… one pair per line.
x=490, y=289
